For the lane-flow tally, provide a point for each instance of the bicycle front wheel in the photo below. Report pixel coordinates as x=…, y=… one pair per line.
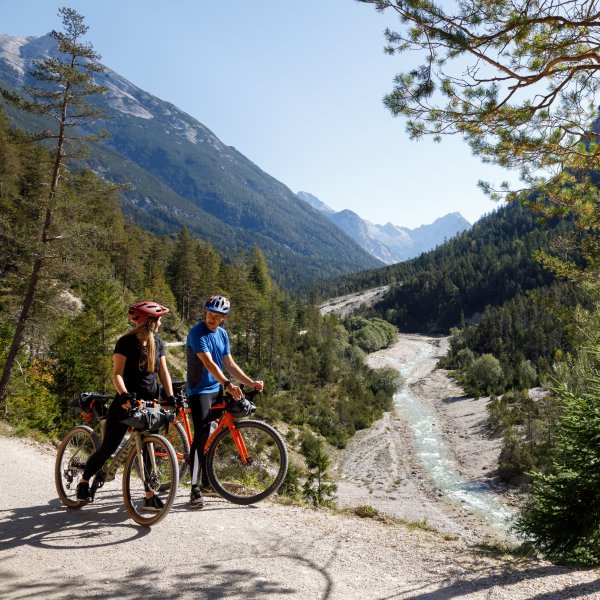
x=251, y=479
x=181, y=445
x=159, y=467
x=73, y=452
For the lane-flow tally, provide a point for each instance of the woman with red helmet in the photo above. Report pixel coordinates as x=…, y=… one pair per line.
x=139, y=360
x=208, y=358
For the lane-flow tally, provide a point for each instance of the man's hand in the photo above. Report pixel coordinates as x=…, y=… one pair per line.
x=235, y=392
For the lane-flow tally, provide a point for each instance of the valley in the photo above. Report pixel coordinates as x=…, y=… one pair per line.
x=435, y=468
x=388, y=466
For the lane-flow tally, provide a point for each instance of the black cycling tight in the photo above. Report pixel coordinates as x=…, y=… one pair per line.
x=115, y=432
x=202, y=416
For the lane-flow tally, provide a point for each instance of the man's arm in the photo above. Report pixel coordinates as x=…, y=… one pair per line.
x=215, y=371
x=234, y=370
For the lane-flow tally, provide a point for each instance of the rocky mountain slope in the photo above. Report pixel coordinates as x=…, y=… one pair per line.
x=391, y=243
x=180, y=173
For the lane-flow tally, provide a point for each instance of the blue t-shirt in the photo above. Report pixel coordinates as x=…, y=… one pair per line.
x=201, y=339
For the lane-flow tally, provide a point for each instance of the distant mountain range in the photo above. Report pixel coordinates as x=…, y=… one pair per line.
x=391, y=243
x=180, y=174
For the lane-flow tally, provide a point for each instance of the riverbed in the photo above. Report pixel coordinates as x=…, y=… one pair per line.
x=431, y=459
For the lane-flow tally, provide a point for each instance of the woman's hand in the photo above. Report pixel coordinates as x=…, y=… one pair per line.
x=125, y=400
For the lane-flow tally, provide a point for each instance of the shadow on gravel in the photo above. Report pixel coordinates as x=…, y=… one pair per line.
x=212, y=581
x=52, y=525
x=502, y=578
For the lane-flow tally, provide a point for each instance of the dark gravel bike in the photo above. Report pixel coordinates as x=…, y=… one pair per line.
x=147, y=460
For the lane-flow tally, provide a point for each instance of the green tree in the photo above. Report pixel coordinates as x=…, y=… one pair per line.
x=562, y=518
x=184, y=275
x=518, y=80
x=83, y=347
x=64, y=83
x=318, y=488
x=485, y=375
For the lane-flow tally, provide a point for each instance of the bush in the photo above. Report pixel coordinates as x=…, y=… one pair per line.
x=485, y=376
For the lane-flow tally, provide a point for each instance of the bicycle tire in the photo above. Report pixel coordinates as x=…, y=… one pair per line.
x=72, y=454
x=134, y=489
x=181, y=445
x=260, y=477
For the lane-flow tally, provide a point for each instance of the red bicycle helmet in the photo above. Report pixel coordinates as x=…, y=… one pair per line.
x=141, y=312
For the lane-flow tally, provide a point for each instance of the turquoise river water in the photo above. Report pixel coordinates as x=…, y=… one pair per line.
x=435, y=455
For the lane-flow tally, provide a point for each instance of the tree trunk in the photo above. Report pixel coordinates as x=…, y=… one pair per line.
x=20, y=330
x=37, y=268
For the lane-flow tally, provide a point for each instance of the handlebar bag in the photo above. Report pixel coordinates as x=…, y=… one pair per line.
x=148, y=419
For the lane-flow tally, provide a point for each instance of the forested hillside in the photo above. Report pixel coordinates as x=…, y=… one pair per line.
x=487, y=276
x=177, y=172
x=100, y=263
x=514, y=324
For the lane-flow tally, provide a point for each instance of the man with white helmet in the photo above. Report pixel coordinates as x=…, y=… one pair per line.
x=208, y=358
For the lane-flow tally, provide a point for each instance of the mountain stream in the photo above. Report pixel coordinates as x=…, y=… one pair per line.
x=434, y=454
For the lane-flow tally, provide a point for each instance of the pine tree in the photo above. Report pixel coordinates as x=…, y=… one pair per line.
x=563, y=516
x=184, y=274
x=64, y=83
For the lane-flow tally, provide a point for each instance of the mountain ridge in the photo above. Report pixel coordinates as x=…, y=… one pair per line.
x=391, y=243
x=184, y=175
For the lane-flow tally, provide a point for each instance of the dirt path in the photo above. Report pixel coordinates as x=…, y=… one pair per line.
x=345, y=305
x=271, y=551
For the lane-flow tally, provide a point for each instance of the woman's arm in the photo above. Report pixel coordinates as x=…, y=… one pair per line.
x=165, y=376
x=118, y=381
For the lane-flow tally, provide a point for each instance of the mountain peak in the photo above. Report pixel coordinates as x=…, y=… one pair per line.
x=391, y=243
x=182, y=174
x=315, y=202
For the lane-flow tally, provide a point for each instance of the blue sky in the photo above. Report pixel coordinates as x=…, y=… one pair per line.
x=295, y=85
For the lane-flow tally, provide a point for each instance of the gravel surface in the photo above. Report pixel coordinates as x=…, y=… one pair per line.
x=271, y=551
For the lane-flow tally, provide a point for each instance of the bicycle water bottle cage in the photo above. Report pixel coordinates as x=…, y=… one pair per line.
x=240, y=408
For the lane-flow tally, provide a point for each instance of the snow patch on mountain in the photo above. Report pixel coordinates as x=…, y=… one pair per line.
x=391, y=243
x=10, y=51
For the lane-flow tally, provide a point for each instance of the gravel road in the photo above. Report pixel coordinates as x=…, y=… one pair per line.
x=267, y=551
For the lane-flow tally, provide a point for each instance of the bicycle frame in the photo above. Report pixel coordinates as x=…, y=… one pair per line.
x=226, y=420
x=104, y=475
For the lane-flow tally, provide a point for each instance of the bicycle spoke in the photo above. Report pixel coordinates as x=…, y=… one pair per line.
x=142, y=479
x=245, y=480
x=181, y=445
x=75, y=449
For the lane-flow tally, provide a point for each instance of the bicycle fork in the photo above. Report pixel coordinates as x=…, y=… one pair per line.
x=240, y=445
x=150, y=485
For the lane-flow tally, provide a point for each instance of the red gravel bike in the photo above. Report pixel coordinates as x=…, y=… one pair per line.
x=246, y=459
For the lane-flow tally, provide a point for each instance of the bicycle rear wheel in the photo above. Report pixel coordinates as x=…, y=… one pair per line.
x=73, y=452
x=181, y=445
x=160, y=467
x=260, y=475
